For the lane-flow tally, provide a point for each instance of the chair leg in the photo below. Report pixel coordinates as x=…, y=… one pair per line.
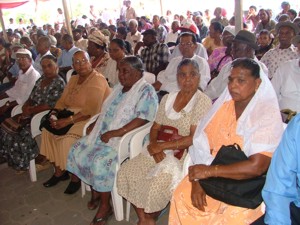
x=128, y=204
x=83, y=187
x=117, y=204
x=32, y=171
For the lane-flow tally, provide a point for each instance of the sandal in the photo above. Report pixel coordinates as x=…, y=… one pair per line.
x=101, y=219
x=93, y=204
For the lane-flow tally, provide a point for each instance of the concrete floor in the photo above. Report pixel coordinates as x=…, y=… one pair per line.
x=23, y=202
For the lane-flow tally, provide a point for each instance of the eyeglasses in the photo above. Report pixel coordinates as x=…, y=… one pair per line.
x=78, y=62
x=189, y=44
x=22, y=58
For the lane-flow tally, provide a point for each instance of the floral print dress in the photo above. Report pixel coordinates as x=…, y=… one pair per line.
x=19, y=149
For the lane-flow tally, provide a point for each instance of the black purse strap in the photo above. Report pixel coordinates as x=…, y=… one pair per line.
x=217, y=68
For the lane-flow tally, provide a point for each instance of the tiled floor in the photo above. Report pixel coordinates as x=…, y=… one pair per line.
x=23, y=202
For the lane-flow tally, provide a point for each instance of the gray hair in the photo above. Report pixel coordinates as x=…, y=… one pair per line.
x=186, y=62
x=133, y=21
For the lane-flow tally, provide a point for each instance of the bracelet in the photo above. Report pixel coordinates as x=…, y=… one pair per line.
x=124, y=129
x=72, y=119
x=176, y=144
x=216, y=170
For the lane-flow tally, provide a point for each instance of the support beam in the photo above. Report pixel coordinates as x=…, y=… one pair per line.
x=161, y=8
x=67, y=16
x=238, y=15
x=3, y=26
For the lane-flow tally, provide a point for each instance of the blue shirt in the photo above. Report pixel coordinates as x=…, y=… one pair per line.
x=283, y=179
x=65, y=59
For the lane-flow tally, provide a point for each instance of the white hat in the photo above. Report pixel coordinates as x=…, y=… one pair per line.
x=24, y=51
x=230, y=29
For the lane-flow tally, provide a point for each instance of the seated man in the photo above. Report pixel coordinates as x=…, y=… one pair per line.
x=133, y=36
x=155, y=55
x=43, y=49
x=286, y=82
x=282, y=188
x=20, y=92
x=79, y=42
x=65, y=60
x=244, y=45
x=167, y=80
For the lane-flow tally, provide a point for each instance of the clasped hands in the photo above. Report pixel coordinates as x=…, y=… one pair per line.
x=155, y=149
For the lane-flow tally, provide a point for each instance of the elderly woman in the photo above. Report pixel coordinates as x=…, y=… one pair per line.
x=84, y=96
x=20, y=148
x=117, y=51
x=93, y=158
x=182, y=110
x=97, y=44
x=247, y=114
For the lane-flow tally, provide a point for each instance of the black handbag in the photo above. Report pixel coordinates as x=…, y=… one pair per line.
x=45, y=121
x=242, y=193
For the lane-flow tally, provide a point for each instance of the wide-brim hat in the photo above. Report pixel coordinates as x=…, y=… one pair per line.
x=246, y=37
x=287, y=24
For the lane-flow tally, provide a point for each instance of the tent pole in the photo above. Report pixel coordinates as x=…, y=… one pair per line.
x=161, y=8
x=3, y=26
x=67, y=16
x=238, y=15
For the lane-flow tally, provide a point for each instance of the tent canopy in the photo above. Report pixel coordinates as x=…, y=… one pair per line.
x=8, y=4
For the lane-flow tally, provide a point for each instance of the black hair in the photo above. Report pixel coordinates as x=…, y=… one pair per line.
x=187, y=62
x=217, y=26
x=112, y=27
x=249, y=64
x=67, y=38
x=121, y=43
x=253, y=7
x=51, y=57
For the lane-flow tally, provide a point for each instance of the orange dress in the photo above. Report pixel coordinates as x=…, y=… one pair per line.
x=220, y=131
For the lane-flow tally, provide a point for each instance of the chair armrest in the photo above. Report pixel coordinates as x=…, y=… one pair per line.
x=92, y=120
x=136, y=144
x=16, y=110
x=35, y=123
x=3, y=101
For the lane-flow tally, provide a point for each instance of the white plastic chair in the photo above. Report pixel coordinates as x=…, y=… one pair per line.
x=35, y=131
x=3, y=101
x=149, y=77
x=136, y=145
x=16, y=110
x=123, y=154
x=69, y=74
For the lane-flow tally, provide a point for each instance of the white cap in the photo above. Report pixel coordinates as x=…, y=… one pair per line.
x=24, y=51
x=230, y=29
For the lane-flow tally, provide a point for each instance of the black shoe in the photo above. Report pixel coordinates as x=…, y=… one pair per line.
x=54, y=180
x=73, y=187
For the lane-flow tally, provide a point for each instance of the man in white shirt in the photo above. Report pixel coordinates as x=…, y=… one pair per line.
x=286, y=83
x=79, y=41
x=244, y=45
x=167, y=79
x=43, y=48
x=20, y=92
x=133, y=36
x=172, y=36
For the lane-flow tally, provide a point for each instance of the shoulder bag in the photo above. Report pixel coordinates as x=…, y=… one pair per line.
x=243, y=193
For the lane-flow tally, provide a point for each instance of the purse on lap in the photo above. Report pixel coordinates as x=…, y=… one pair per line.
x=169, y=133
x=243, y=193
x=14, y=125
x=45, y=121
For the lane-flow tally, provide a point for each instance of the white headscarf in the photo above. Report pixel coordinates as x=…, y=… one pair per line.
x=260, y=125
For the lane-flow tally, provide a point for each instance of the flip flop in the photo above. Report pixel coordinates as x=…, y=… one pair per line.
x=101, y=219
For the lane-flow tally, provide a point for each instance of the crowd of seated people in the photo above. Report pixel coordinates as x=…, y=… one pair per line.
x=214, y=84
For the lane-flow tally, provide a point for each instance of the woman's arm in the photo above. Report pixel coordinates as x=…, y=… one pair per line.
x=135, y=123
x=60, y=123
x=157, y=147
x=256, y=165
